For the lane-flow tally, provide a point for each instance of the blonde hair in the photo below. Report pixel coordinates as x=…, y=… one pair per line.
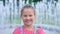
x=27, y=6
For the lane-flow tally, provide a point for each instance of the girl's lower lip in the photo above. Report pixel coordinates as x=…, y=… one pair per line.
x=27, y=22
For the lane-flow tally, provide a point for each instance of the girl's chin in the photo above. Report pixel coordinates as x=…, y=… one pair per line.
x=28, y=23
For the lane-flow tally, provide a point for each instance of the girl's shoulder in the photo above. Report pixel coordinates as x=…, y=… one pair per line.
x=39, y=30
x=16, y=30
x=38, y=27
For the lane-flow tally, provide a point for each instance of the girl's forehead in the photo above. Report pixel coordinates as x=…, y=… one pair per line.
x=28, y=10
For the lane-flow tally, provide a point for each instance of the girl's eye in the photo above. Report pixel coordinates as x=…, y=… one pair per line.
x=30, y=15
x=25, y=15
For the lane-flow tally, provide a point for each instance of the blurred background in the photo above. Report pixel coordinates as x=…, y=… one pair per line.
x=47, y=15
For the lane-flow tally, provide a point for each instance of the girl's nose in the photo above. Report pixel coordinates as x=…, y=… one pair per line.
x=28, y=17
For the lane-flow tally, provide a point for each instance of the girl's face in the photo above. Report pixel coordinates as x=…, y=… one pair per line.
x=28, y=16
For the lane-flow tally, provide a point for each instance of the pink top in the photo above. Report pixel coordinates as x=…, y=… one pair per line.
x=38, y=31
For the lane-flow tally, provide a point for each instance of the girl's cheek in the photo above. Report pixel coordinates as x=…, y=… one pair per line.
x=24, y=19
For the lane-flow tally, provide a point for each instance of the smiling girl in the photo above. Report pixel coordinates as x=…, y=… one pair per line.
x=28, y=16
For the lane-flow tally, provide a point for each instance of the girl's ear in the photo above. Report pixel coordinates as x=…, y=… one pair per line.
x=35, y=16
x=20, y=17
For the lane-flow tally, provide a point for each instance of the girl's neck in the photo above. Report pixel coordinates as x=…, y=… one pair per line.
x=29, y=27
